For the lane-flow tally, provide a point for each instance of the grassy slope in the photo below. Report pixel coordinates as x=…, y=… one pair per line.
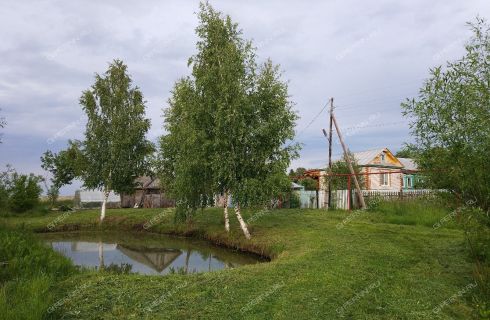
x=381, y=270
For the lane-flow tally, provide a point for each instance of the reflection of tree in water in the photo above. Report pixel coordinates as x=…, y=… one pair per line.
x=123, y=268
x=101, y=255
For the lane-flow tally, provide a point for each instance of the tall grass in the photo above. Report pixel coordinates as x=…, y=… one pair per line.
x=29, y=271
x=420, y=212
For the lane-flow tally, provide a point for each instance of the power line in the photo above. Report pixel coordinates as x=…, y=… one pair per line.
x=311, y=122
x=376, y=125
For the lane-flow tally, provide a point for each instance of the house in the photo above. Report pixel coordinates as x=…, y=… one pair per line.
x=147, y=194
x=410, y=174
x=85, y=199
x=382, y=170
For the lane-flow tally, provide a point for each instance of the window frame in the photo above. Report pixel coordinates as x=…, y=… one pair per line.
x=385, y=182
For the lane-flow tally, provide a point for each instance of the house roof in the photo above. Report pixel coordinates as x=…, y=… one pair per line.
x=95, y=196
x=147, y=183
x=408, y=164
x=296, y=186
x=365, y=157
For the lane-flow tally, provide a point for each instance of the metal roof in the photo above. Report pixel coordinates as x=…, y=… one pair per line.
x=408, y=164
x=365, y=157
x=296, y=186
x=96, y=196
x=145, y=182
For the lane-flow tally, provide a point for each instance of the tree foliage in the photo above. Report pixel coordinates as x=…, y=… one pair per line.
x=115, y=148
x=406, y=152
x=65, y=165
x=451, y=121
x=298, y=177
x=341, y=167
x=19, y=192
x=228, y=123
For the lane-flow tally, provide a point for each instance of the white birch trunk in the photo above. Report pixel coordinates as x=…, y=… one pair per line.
x=243, y=225
x=104, y=203
x=227, y=219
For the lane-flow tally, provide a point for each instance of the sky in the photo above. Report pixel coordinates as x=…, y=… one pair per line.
x=368, y=55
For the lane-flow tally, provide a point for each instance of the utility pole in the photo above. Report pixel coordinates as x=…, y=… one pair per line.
x=330, y=157
x=351, y=169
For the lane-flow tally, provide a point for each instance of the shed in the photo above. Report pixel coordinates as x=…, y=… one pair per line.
x=94, y=199
x=147, y=194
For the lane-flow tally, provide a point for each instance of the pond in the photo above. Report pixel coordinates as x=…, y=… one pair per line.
x=145, y=253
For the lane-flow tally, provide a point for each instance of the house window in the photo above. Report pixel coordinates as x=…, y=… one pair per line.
x=409, y=182
x=385, y=179
x=383, y=156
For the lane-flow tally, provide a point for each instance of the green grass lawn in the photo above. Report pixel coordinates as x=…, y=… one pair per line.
x=369, y=266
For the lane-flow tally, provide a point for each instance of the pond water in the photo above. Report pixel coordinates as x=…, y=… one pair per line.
x=145, y=253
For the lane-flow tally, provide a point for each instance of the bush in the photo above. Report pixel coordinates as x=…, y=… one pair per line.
x=18, y=192
x=294, y=200
x=25, y=192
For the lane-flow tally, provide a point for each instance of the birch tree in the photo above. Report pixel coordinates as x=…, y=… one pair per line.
x=115, y=148
x=228, y=123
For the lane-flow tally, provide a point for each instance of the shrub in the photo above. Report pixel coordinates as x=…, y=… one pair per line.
x=18, y=192
x=294, y=201
x=25, y=192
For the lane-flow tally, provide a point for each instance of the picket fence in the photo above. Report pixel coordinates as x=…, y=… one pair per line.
x=340, y=199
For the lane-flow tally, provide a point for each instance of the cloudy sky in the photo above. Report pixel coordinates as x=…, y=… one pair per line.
x=368, y=55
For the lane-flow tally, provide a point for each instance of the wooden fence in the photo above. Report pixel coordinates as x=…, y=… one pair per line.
x=340, y=198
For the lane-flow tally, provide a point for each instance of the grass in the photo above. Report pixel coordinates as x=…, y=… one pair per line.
x=421, y=213
x=29, y=272
x=325, y=266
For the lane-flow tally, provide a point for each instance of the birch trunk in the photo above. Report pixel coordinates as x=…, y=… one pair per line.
x=227, y=219
x=104, y=203
x=243, y=225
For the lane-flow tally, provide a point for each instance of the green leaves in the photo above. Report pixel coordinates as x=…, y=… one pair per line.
x=228, y=123
x=115, y=148
x=451, y=121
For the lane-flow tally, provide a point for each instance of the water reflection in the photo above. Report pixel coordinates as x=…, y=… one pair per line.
x=143, y=253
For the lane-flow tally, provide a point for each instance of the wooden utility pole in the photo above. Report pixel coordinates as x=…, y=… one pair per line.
x=330, y=157
x=351, y=169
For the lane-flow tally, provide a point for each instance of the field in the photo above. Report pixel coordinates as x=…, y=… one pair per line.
x=369, y=265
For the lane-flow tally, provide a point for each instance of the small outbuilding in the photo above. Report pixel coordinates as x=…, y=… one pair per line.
x=86, y=199
x=147, y=194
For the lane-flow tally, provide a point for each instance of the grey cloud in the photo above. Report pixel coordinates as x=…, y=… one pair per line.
x=50, y=51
